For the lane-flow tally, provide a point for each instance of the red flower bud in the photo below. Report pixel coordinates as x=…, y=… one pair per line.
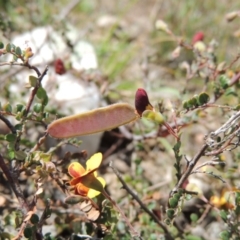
x=142, y=102
x=59, y=67
x=199, y=36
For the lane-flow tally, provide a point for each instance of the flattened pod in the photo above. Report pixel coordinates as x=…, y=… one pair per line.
x=94, y=121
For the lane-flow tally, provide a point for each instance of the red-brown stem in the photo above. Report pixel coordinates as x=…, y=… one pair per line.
x=170, y=130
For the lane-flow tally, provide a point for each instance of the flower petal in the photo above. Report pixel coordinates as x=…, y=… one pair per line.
x=76, y=170
x=75, y=181
x=96, y=185
x=92, y=193
x=92, y=182
x=82, y=190
x=102, y=181
x=94, y=162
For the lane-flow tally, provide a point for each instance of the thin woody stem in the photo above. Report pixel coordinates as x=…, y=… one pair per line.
x=191, y=165
x=31, y=98
x=133, y=232
x=151, y=214
x=15, y=186
x=8, y=123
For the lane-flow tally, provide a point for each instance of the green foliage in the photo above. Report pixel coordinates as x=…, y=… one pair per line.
x=34, y=219
x=33, y=81
x=224, y=80
x=196, y=101
x=10, y=137
x=178, y=158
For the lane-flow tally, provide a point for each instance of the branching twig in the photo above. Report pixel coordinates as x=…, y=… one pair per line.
x=31, y=98
x=191, y=165
x=39, y=143
x=34, y=91
x=151, y=214
x=210, y=173
x=15, y=186
x=233, y=81
x=133, y=232
x=208, y=163
x=8, y=123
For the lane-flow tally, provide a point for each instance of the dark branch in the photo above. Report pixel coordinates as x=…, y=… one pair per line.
x=151, y=214
x=8, y=123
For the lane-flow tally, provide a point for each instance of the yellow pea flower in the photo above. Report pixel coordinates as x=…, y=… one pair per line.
x=85, y=181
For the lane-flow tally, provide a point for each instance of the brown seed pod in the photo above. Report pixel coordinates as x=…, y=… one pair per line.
x=94, y=121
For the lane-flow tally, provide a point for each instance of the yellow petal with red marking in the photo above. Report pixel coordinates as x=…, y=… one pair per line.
x=76, y=170
x=82, y=190
x=93, y=193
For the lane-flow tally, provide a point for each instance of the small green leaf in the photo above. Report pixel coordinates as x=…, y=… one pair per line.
x=11, y=154
x=225, y=235
x=45, y=157
x=194, y=217
x=223, y=80
x=45, y=115
x=28, y=232
x=186, y=105
x=167, y=221
x=20, y=155
x=37, y=107
x=193, y=102
x=32, y=81
x=188, y=197
x=6, y=236
x=8, y=47
x=192, y=237
x=1, y=45
x=156, y=117
x=231, y=91
x=18, y=51
x=237, y=108
x=237, y=198
x=237, y=210
x=34, y=219
x=41, y=93
x=19, y=107
x=173, y=202
x=7, y=107
x=18, y=116
x=73, y=199
x=177, y=196
x=170, y=213
x=13, y=47
x=10, y=137
x=18, y=127
x=203, y=98
x=15, y=58
x=223, y=215
x=17, y=221
x=45, y=101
